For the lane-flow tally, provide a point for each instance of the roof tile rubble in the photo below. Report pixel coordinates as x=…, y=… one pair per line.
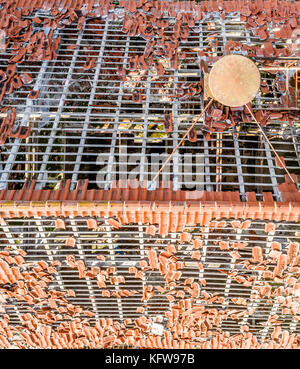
x=189, y=323
x=145, y=19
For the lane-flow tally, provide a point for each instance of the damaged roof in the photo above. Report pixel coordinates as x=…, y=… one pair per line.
x=121, y=266
x=231, y=283
x=211, y=272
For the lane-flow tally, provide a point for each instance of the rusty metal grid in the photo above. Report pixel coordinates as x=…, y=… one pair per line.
x=75, y=133
x=127, y=246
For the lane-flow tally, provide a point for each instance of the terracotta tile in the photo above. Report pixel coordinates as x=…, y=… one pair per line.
x=193, y=135
x=186, y=13
x=153, y=260
x=185, y=237
x=270, y=227
x=70, y=241
x=33, y=94
x=196, y=255
x=168, y=122
x=81, y=268
x=113, y=223
x=92, y=223
x=60, y=224
x=19, y=260
x=293, y=251
x=224, y=245
x=101, y=257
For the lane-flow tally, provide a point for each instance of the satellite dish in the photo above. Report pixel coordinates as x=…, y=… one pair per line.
x=234, y=80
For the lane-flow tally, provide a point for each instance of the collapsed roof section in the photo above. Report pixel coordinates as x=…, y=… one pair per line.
x=158, y=269
x=211, y=261
x=126, y=84
x=90, y=281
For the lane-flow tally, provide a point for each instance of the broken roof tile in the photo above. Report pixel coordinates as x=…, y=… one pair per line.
x=213, y=205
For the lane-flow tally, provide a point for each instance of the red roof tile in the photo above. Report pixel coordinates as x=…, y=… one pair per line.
x=170, y=211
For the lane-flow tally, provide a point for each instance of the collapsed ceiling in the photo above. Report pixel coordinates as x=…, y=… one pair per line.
x=209, y=261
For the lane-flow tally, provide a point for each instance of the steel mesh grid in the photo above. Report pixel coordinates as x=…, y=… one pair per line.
x=55, y=126
x=43, y=241
x=70, y=128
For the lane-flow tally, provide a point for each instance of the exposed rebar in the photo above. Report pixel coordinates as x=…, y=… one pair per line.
x=181, y=141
